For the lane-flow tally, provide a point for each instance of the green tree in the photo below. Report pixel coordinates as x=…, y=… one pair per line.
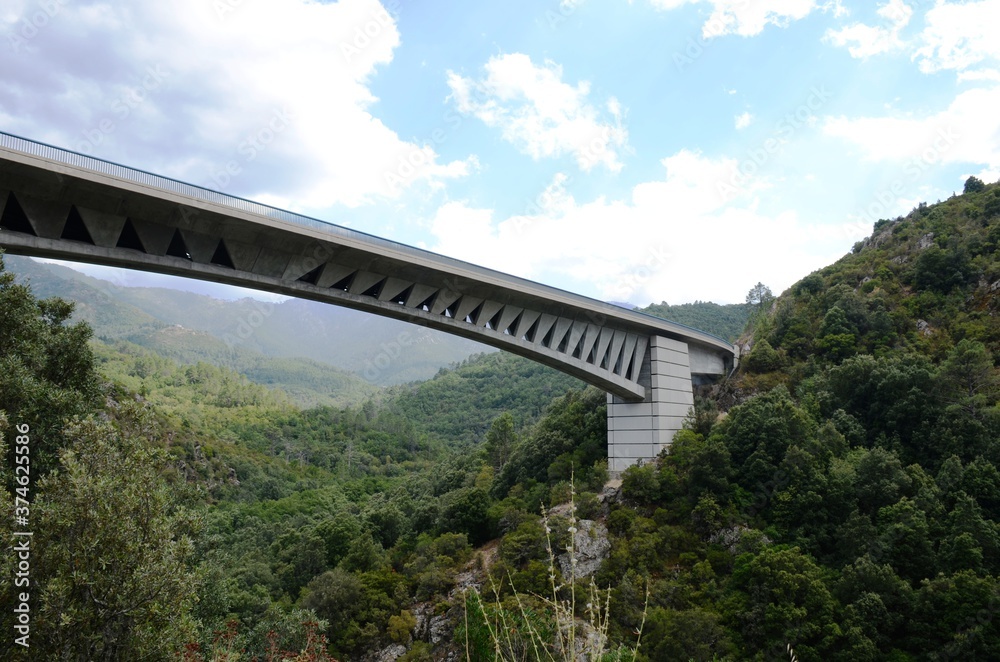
x=690, y=634
x=113, y=547
x=973, y=185
x=969, y=376
x=785, y=601
x=763, y=358
x=759, y=295
x=837, y=336
x=46, y=368
x=337, y=597
x=759, y=432
x=401, y=626
x=467, y=511
x=500, y=440
x=759, y=300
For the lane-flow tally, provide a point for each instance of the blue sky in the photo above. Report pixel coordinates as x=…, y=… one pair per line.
x=644, y=151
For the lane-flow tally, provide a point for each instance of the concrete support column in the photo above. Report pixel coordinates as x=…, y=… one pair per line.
x=638, y=431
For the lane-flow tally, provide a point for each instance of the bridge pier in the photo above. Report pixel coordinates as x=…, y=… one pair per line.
x=638, y=431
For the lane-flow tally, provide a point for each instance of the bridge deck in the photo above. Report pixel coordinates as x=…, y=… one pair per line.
x=56, y=203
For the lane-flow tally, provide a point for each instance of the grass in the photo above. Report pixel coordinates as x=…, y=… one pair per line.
x=534, y=627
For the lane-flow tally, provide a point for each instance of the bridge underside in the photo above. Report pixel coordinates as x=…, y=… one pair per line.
x=139, y=221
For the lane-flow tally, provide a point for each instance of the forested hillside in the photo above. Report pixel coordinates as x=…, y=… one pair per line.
x=725, y=321
x=248, y=330
x=847, y=504
x=837, y=499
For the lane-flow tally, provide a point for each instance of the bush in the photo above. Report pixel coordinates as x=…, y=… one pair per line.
x=762, y=358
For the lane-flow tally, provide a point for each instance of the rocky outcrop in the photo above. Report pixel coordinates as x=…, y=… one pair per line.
x=591, y=546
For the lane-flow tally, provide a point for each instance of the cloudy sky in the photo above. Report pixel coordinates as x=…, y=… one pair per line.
x=643, y=151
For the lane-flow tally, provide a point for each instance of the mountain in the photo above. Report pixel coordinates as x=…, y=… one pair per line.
x=919, y=284
x=368, y=345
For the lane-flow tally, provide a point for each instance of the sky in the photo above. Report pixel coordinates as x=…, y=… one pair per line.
x=643, y=151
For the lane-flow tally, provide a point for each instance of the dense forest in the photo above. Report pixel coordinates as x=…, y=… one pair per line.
x=836, y=499
x=726, y=321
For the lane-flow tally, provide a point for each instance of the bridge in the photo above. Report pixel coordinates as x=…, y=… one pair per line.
x=55, y=203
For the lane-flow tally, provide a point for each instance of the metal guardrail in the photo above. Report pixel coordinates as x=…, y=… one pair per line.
x=134, y=175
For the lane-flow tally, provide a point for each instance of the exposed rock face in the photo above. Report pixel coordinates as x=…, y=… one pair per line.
x=435, y=628
x=389, y=653
x=591, y=548
x=926, y=241
x=739, y=539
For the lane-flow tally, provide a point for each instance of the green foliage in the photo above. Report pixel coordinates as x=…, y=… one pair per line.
x=466, y=511
x=400, y=626
x=942, y=269
x=46, y=368
x=762, y=358
x=500, y=440
x=687, y=634
x=726, y=321
x=568, y=441
x=974, y=185
x=461, y=404
x=783, y=598
x=641, y=484
x=112, y=547
x=758, y=433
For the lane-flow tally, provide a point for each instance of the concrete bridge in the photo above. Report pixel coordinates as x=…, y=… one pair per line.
x=59, y=204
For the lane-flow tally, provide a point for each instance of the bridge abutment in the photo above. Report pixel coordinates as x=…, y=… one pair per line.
x=638, y=431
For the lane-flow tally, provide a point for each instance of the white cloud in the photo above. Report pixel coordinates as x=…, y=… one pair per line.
x=278, y=92
x=989, y=175
x=959, y=36
x=749, y=18
x=863, y=40
x=542, y=115
x=743, y=120
x=968, y=131
x=665, y=242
